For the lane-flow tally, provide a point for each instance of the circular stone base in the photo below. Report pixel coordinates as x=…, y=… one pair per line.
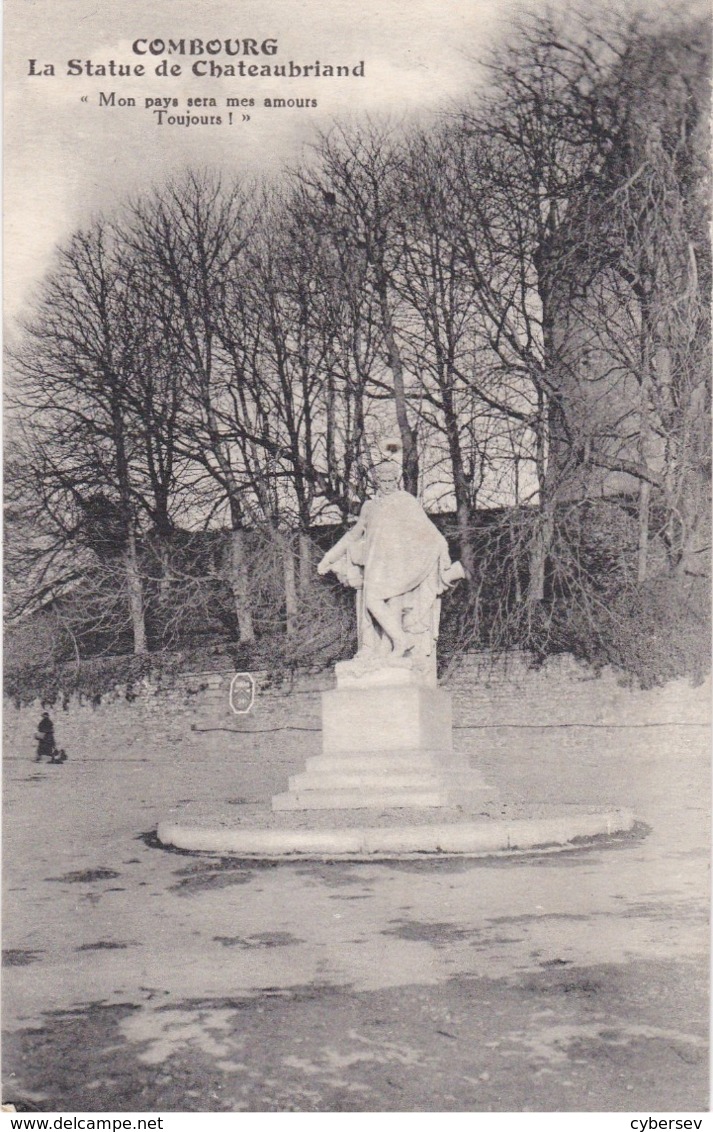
x=471, y=839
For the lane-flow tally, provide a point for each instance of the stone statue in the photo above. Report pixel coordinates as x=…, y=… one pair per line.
x=397, y=560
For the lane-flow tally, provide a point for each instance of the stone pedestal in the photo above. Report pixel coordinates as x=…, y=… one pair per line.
x=387, y=742
x=397, y=718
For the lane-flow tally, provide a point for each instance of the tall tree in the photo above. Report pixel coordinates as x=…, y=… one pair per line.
x=191, y=236
x=78, y=358
x=640, y=272
x=358, y=173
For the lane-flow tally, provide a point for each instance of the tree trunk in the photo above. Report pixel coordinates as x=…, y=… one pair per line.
x=290, y=578
x=515, y=557
x=164, y=557
x=465, y=547
x=460, y=483
x=305, y=559
x=540, y=545
x=690, y=544
x=541, y=538
x=136, y=603
x=239, y=585
x=646, y=333
x=407, y=434
x=642, y=555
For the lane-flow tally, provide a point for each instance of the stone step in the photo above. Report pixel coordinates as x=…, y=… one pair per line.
x=359, y=799
x=366, y=780
x=359, y=762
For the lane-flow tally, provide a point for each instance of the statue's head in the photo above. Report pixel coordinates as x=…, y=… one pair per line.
x=388, y=476
x=391, y=448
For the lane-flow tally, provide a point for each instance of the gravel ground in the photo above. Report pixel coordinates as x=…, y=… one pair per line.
x=138, y=979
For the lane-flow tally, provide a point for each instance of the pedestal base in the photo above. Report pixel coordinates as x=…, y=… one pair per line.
x=384, y=748
x=396, y=718
x=361, y=842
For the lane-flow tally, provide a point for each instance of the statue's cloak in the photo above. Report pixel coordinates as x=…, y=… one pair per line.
x=402, y=547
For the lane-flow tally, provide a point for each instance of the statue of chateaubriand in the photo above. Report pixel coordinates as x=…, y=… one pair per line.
x=398, y=562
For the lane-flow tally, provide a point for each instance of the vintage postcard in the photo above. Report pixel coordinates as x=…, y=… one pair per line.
x=357, y=543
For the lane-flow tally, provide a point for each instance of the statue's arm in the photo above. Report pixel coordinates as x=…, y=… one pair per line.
x=340, y=548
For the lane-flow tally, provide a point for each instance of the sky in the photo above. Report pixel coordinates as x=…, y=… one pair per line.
x=68, y=158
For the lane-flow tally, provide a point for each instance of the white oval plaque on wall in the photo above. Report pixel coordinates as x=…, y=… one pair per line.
x=242, y=692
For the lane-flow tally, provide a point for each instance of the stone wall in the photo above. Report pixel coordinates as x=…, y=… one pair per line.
x=193, y=709
x=564, y=692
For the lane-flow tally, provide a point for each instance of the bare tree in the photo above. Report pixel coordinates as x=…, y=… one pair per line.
x=525, y=284
x=443, y=332
x=70, y=377
x=358, y=174
x=639, y=262
x=191, y=236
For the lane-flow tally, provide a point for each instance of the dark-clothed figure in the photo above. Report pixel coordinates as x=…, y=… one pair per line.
x=45, y=737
